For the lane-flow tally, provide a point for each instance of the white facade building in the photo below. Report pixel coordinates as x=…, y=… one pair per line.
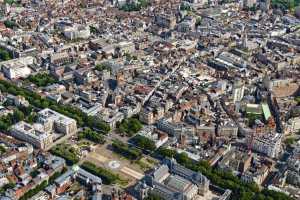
x=77, y=32
x=293, y=125
x=269, y=144
x=17, y=68
x=41, y=134
x=54, y=121
x=238, y=91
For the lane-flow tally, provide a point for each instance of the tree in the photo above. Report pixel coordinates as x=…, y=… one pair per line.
x=42, y=79
x=130, y=153
x=92, y=135
x=129, y=126
x=198, y=21
x=297, y=99
x=102, y=66
x=129, y=7
x=68, y=153
x=226, y=180
x=93, y=29
x=5, y=55
x=144, y=143
x=107, y=176
x=153, y=197
x=275, y=195
x=32, y=118
x=10, y=2
x=98, y=124
x=291, y=5
x=34, y=173
x=182, y=158
x=26, y=109
x=290, y=141
x=3, y=126
x=10, y=24
x=168, y=153
x=185, y=6
x=18, y=116
x=12, y=90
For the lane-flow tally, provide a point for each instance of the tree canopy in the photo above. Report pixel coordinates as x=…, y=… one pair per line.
x=42, y=79
x=240, y=190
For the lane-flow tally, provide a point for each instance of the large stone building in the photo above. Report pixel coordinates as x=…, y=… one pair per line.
x=32, y=134
x=54, y=121
x=41, y=134
x=172, y=181
x=174, y=129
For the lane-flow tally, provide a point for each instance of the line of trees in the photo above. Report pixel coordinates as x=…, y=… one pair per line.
x=92, y=136
x=34, y=191
x=123, y=149
x=10, y=24
x=10, y=2
x=68, y=110
x=42, y=79
x=144, y=143
x=153, y=197
x=129, y=7
x=107, y=176
x=240, y=189
x=285, y=4
x=30, y=193
x=7, y=186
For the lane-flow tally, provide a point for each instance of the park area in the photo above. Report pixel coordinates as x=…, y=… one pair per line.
x=129, y=171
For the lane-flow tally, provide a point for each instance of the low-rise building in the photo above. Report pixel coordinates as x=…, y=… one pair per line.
x=235, y=161
x=156, y=136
